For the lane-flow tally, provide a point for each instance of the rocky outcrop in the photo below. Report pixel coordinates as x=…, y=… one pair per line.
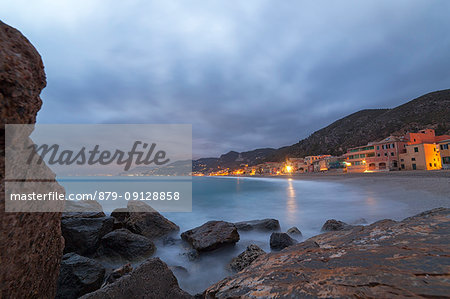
x=267, y=225
x=79, y=275
x=294, y=231
x=335, y=225
x=279, y=241
x=152, y=279
x=82, y=235
x=142, y=219
x=30, y=243
x=83, y=209
x=118, y=273
x=123, y=244
x=211, y=235
x=247, y=257
x=386, y=259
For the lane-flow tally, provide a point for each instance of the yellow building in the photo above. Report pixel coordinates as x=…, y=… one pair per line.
x=444, y=150
x=424, y=156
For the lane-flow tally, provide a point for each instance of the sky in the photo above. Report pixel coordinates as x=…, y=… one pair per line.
x=246, y=74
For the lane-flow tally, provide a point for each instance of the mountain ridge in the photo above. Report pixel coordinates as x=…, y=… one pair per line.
x=431, y=110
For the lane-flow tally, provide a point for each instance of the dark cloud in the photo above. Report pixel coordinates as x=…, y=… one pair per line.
x=246, y=74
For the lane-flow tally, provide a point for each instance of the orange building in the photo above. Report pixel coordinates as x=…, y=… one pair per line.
x=423, y=156
x=444, y=150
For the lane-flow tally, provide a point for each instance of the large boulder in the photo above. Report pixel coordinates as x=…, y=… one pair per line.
x=30, y=243
x=141, y=219
x=123, y=244
x=335, y=225
x=82, y=235
x=261, y=225
x=152, y=279
x=83, y=209
x=386, y=259
x=211, y=235
x=247, y=257
x=279, y=241
x=79, y=275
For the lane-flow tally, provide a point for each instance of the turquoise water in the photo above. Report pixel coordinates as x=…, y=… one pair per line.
x=304, y=204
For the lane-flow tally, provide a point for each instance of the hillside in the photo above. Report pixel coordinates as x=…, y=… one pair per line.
x=428, y=111
x=232, y=159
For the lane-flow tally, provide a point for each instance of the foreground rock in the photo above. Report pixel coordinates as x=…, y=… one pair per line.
x=142, y=219
x=386, y=259
x=211, y=235
x=279, y=241
x=118, y=273
x=83, y=209
x=152, y=279
x=267, y=225
x=123, y=244
x=30, y=243
x=79, y=275
x=335, y=225
x=246, y=258
x=82, y=235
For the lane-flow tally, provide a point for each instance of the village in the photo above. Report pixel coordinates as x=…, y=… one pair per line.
x=413, y=151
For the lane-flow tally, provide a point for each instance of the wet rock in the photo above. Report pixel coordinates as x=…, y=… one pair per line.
x=120, y=214
x=335, y=225
x=123, y=244
x=144, y=220
x=192, y=255
x=83, y=209
x=211, y=235
x=382, y=260
x=360, y=221
x=279, y=241
x=79, y=275
x=82, y=235
x=261, y=225
x=152, y=279
x=117, y=273
x=30, y=243
x=294, y=231
x=244, y=259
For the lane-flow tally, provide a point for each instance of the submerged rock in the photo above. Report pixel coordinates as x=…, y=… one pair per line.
x=79, y=275
x=123, y=244
x=382, y=260
x=279, y=241
x=335, y=225
x=142, y=219
x=261, y=225
x=82, y=235
x=294, y=231
x=152, y=279
x=211, y=235
x=244, y=259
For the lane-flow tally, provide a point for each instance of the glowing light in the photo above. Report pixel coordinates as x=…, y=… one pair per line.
x=288, y=169
x=348, y=164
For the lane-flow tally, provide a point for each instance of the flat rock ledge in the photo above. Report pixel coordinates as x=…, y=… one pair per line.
x=386, y=259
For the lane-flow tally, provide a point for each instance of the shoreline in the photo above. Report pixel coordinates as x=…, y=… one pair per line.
x=436, y=182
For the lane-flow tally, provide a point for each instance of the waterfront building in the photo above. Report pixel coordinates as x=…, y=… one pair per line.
x=423, y=156
x=444, y=150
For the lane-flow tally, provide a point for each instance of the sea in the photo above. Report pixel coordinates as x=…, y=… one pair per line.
x=305, y=204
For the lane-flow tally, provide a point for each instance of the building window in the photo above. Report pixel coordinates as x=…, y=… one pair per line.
x=414, y=166
x=392, y=145
x=416, y=149
x=413, y=159
x=385, y=154
x=392, y=153
x=434, y=164
x=402, y=160
x=378, y=155
x=378, y=147
x=431, y=165
x=403, y=166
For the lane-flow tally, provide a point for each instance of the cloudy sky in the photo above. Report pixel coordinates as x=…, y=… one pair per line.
x=245, y=74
